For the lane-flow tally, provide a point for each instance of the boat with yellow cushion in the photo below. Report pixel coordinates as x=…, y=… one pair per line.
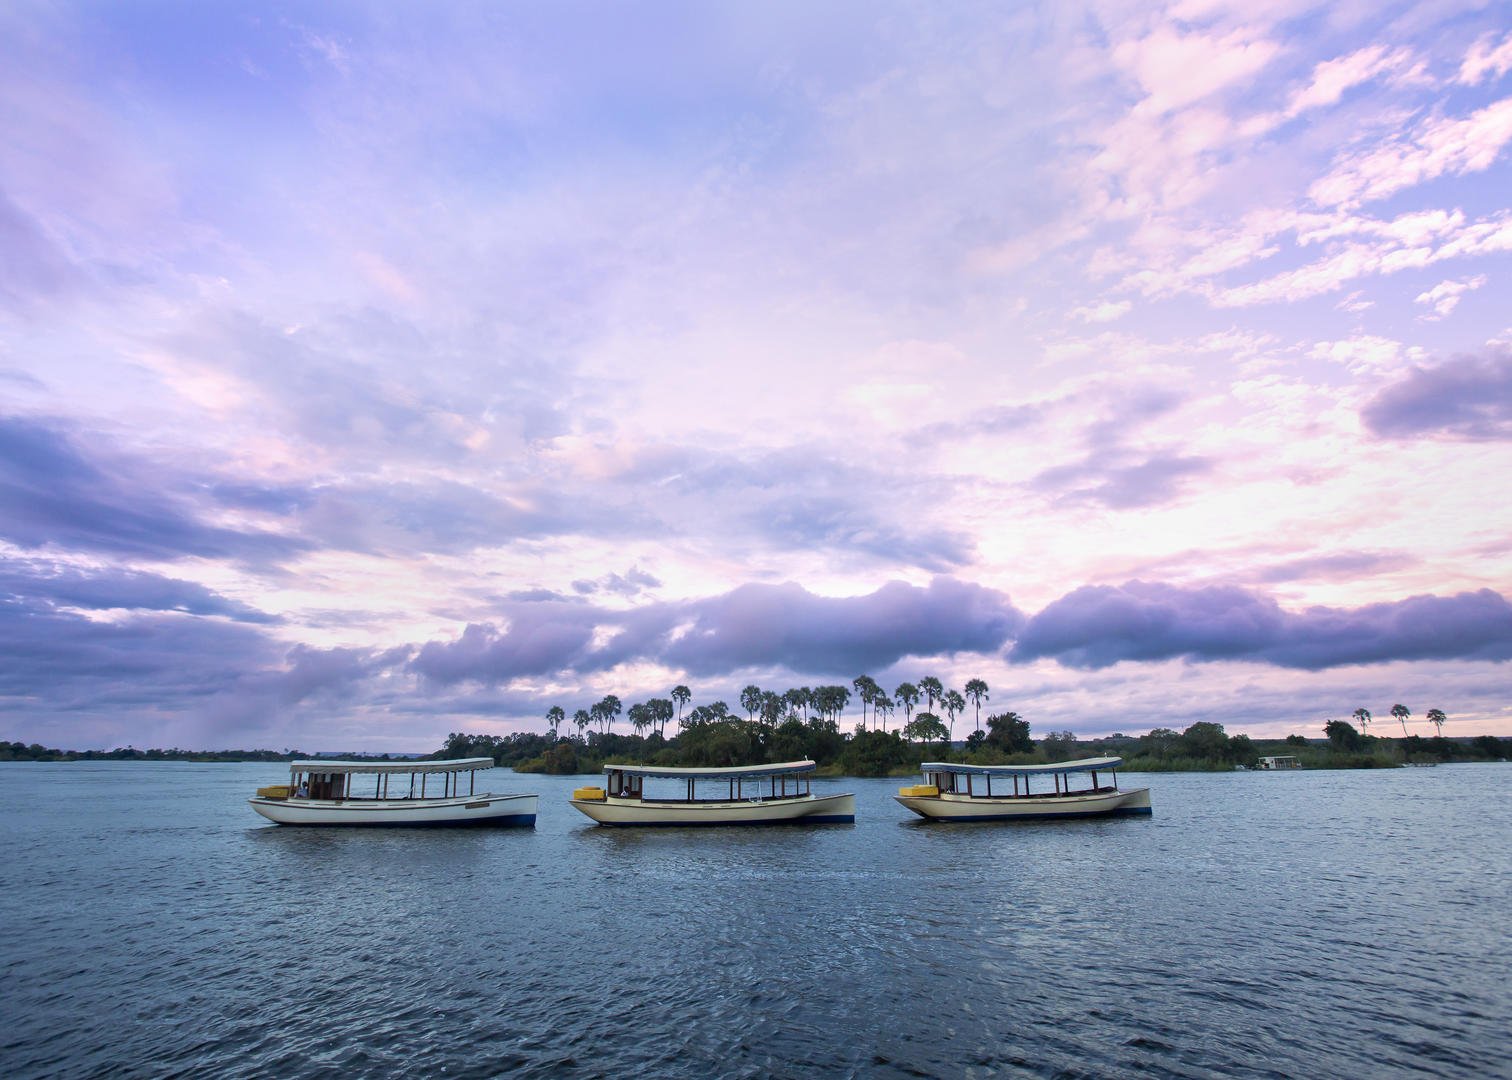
x=407, y=793
x=952, y=792
x=741, y=795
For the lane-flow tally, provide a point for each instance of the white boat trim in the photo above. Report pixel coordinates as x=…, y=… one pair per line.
x=951, y=792
x=755, y=795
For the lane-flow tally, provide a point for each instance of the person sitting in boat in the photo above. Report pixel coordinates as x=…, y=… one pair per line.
x=303, y=790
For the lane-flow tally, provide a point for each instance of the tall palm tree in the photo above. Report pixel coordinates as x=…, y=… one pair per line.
x=976, y=690
x=933, y=690
x=954, y=704
x=908, y=696
x=1401, y=712
x=772, y=708
x=608, y=709
x=580, y=720
x=554, y=718
x=1436, y=717
x=638, y=718
x=682, y=695
x=867, y=690
x=882, y=707
x=1362, y=714
x=750, y=700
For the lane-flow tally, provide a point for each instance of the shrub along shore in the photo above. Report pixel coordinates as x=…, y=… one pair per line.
x=1004, y=739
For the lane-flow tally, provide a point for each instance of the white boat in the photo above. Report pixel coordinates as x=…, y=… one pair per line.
x=741, y=795
x=966, y=792
x=407, y=793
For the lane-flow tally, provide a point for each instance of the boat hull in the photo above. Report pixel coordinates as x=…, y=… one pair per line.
x=491, y=810
x=1135, y=802
x=809, y=810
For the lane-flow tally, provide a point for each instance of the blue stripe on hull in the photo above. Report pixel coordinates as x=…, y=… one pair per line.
x=519, y=821
x=827, y=819
x=1137, y=811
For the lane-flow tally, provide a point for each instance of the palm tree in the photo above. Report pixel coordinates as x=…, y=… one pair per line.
x=908, y=696
x=882, y=707
x=554, y=718
x=661, y=712
x=1436, y=717
x=682, y=695
x=867, y=690
x=932, y=689
x=580, y=720
x=608, y=709
x=1401, y=712
x=750, y=700
x=772, y=708
x=954, y=704
x=639, y=719
x=976, y=690
x=1363, y=716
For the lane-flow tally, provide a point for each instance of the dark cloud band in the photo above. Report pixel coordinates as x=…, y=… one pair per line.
x=1098, y=626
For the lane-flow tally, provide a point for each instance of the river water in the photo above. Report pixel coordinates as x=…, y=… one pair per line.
x=1343, y=924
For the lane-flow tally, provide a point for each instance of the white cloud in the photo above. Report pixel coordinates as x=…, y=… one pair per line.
x=1332, y=78
x=1437, y=147
x=1410, y=241
x=1178, y=69
x=1486, y=61
x=1366, y=354
x=1445, y=296
x=1107, y=311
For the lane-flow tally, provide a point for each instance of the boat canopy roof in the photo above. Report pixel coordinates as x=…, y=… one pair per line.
x=785, y=768
x=455, y=765
x=1083, y=765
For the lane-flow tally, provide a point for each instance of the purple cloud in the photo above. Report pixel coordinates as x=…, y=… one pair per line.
x=55, y=495
x=758, y=625
x=34, y=266
x=164, y=674
x=1098, y=626
x=101, y=590
x=540, y=637
x=1155, y=480
x=1345, y=566
x=803, y=498
x=1468, y=397
x=751, y=626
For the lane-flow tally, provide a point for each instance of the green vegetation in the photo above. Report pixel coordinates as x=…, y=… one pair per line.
x=804, y=723
x=15, y=751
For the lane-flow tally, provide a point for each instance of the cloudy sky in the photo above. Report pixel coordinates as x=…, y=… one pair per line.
x=374, y=371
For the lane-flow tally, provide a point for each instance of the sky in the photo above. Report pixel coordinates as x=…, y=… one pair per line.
x=373, y=371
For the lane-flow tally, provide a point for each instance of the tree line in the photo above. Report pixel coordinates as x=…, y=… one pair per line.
x=771, y=708
x=804, y=723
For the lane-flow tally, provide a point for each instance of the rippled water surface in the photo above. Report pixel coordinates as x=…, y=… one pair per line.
x=1301, y=924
